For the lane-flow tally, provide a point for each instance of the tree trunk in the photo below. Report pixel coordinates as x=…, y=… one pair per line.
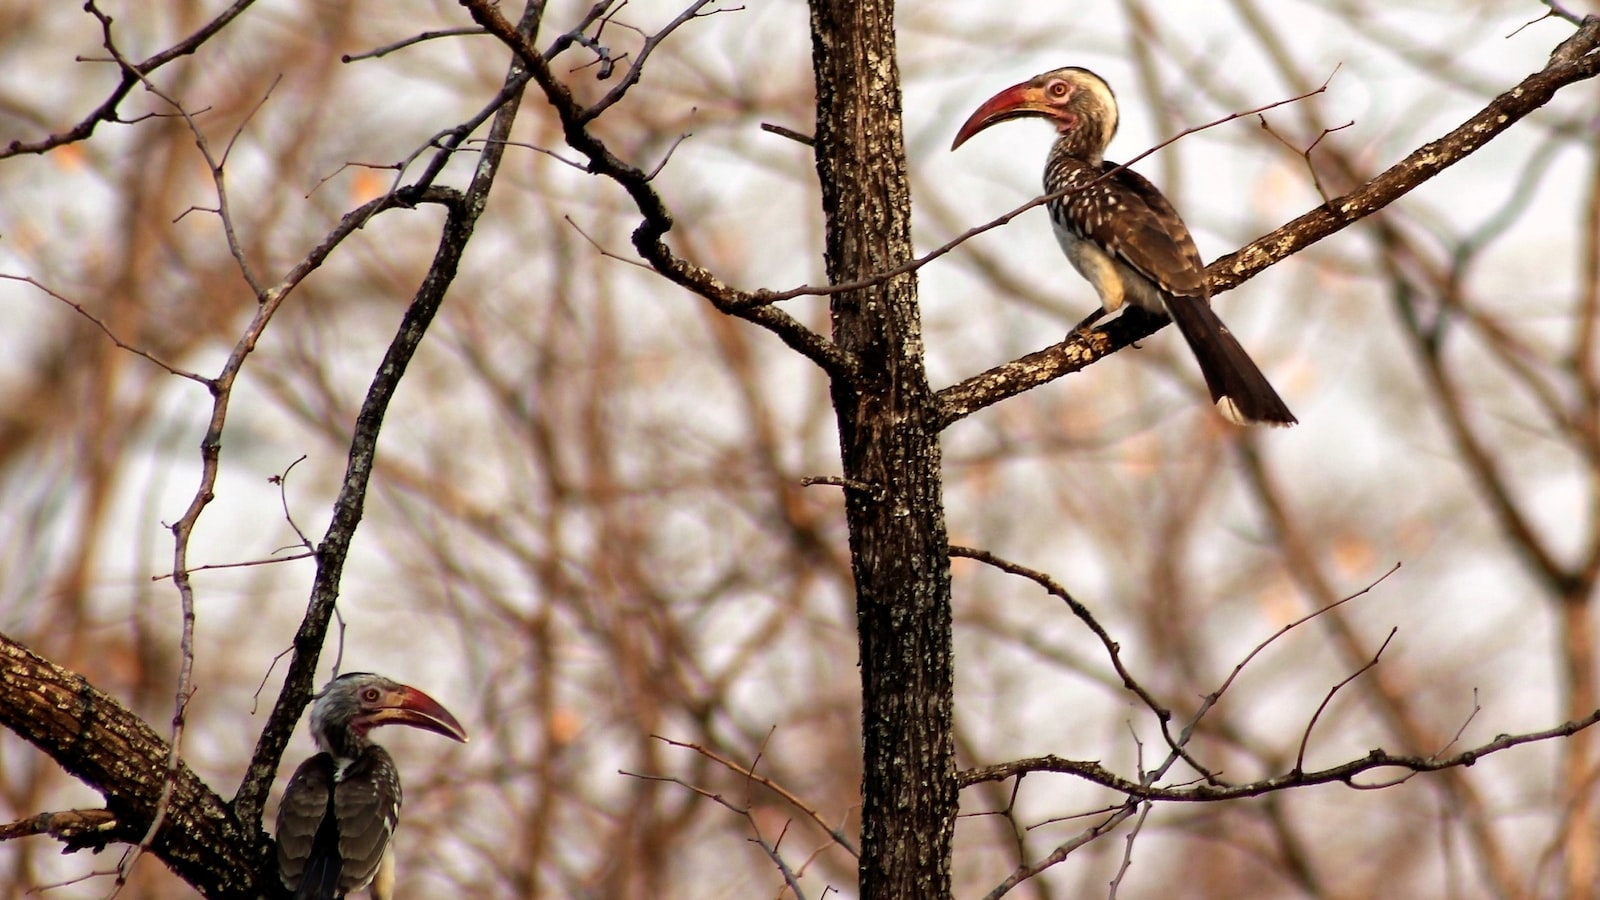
x=888, y=434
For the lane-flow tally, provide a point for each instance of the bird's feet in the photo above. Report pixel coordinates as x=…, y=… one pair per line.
x=1083, y=327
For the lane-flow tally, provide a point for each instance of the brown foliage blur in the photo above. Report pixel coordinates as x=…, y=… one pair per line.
x=588, y=534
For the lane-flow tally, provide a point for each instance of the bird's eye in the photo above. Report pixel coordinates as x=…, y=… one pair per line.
x=370, y=695
x=1057, y=89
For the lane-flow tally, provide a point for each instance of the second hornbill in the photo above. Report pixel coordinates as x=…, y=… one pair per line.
x=1124, y=237
x=341, y=807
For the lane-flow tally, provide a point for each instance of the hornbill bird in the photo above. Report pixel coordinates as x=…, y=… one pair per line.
x=340, y=810
x=1123, y=236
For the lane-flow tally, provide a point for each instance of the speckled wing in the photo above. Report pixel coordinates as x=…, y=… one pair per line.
x=1125, y=218
x=1129, y=218
x=367, y=801
x=334, y=827
x=308, y=861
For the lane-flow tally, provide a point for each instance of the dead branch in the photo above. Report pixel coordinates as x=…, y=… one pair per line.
x=131, y=75
x=649, y=237
x=1344, y=773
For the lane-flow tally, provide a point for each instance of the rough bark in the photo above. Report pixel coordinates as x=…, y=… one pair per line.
x=110, y=748
x=888, y=433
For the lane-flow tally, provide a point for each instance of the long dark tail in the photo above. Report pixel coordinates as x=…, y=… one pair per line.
x=321, y=879
x=1241, y=392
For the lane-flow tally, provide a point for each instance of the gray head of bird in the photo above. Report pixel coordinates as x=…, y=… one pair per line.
x=353, y=704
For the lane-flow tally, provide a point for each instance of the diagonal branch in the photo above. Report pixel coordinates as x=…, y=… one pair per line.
x=110, y=748
x=464, y=210
x=131, y=75
x=648, y=238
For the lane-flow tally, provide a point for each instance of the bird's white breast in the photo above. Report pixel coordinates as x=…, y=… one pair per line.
x=1114, y=280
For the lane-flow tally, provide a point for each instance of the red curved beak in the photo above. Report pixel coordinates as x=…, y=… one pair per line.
x=409, y=706
x=1014, y=102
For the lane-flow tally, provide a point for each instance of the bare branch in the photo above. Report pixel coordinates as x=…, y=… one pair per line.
x=1113, y=649
x=648, y=238
x=462, y=217
x=107, y=110
x=1344, y=773
x=102, y=743
x=387, y=49
x=789, y=877
x=751, y=774
x=76, y=828
x=106, y=330
x=1305, y=736
x=789, y=133
x=636, y=67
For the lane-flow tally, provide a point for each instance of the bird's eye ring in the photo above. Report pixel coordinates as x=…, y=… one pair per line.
x=1057, y=89
x=370, y=694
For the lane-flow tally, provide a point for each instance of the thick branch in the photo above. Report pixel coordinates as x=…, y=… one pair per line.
x=1576, y=59
x=106, y=746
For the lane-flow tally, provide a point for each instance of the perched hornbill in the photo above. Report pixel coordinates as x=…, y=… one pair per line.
x=1124, y=237
x=341, y=807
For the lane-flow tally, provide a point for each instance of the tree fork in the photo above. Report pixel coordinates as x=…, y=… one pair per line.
x=888, y=433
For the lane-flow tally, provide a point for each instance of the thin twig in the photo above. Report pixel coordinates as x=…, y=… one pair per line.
x=749, y=773
x=601, y=249
x=1305, y=736
x=875, y=491
x=387, y=49
x=106, y=330
x=1464, y=723
x=636, y=67
x=789, y=133
x=667, y=157
x=282, y=481
x=107, y=110
x=1127, y=849
x=1316, y=179
x=547, y=152
x=743, y=812
x=245, y=564
x=1084, y=615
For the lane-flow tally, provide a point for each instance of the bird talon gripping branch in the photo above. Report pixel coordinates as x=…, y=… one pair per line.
x=1124, y=237
x=341, y=807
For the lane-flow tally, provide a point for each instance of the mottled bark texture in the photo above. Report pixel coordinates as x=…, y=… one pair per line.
x=888, y=434
x=109, y=748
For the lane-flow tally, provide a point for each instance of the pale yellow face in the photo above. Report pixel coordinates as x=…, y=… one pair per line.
x=1065, y=88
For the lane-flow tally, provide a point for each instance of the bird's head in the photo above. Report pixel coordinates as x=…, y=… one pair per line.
x=1077, y=101
x=357, y=702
